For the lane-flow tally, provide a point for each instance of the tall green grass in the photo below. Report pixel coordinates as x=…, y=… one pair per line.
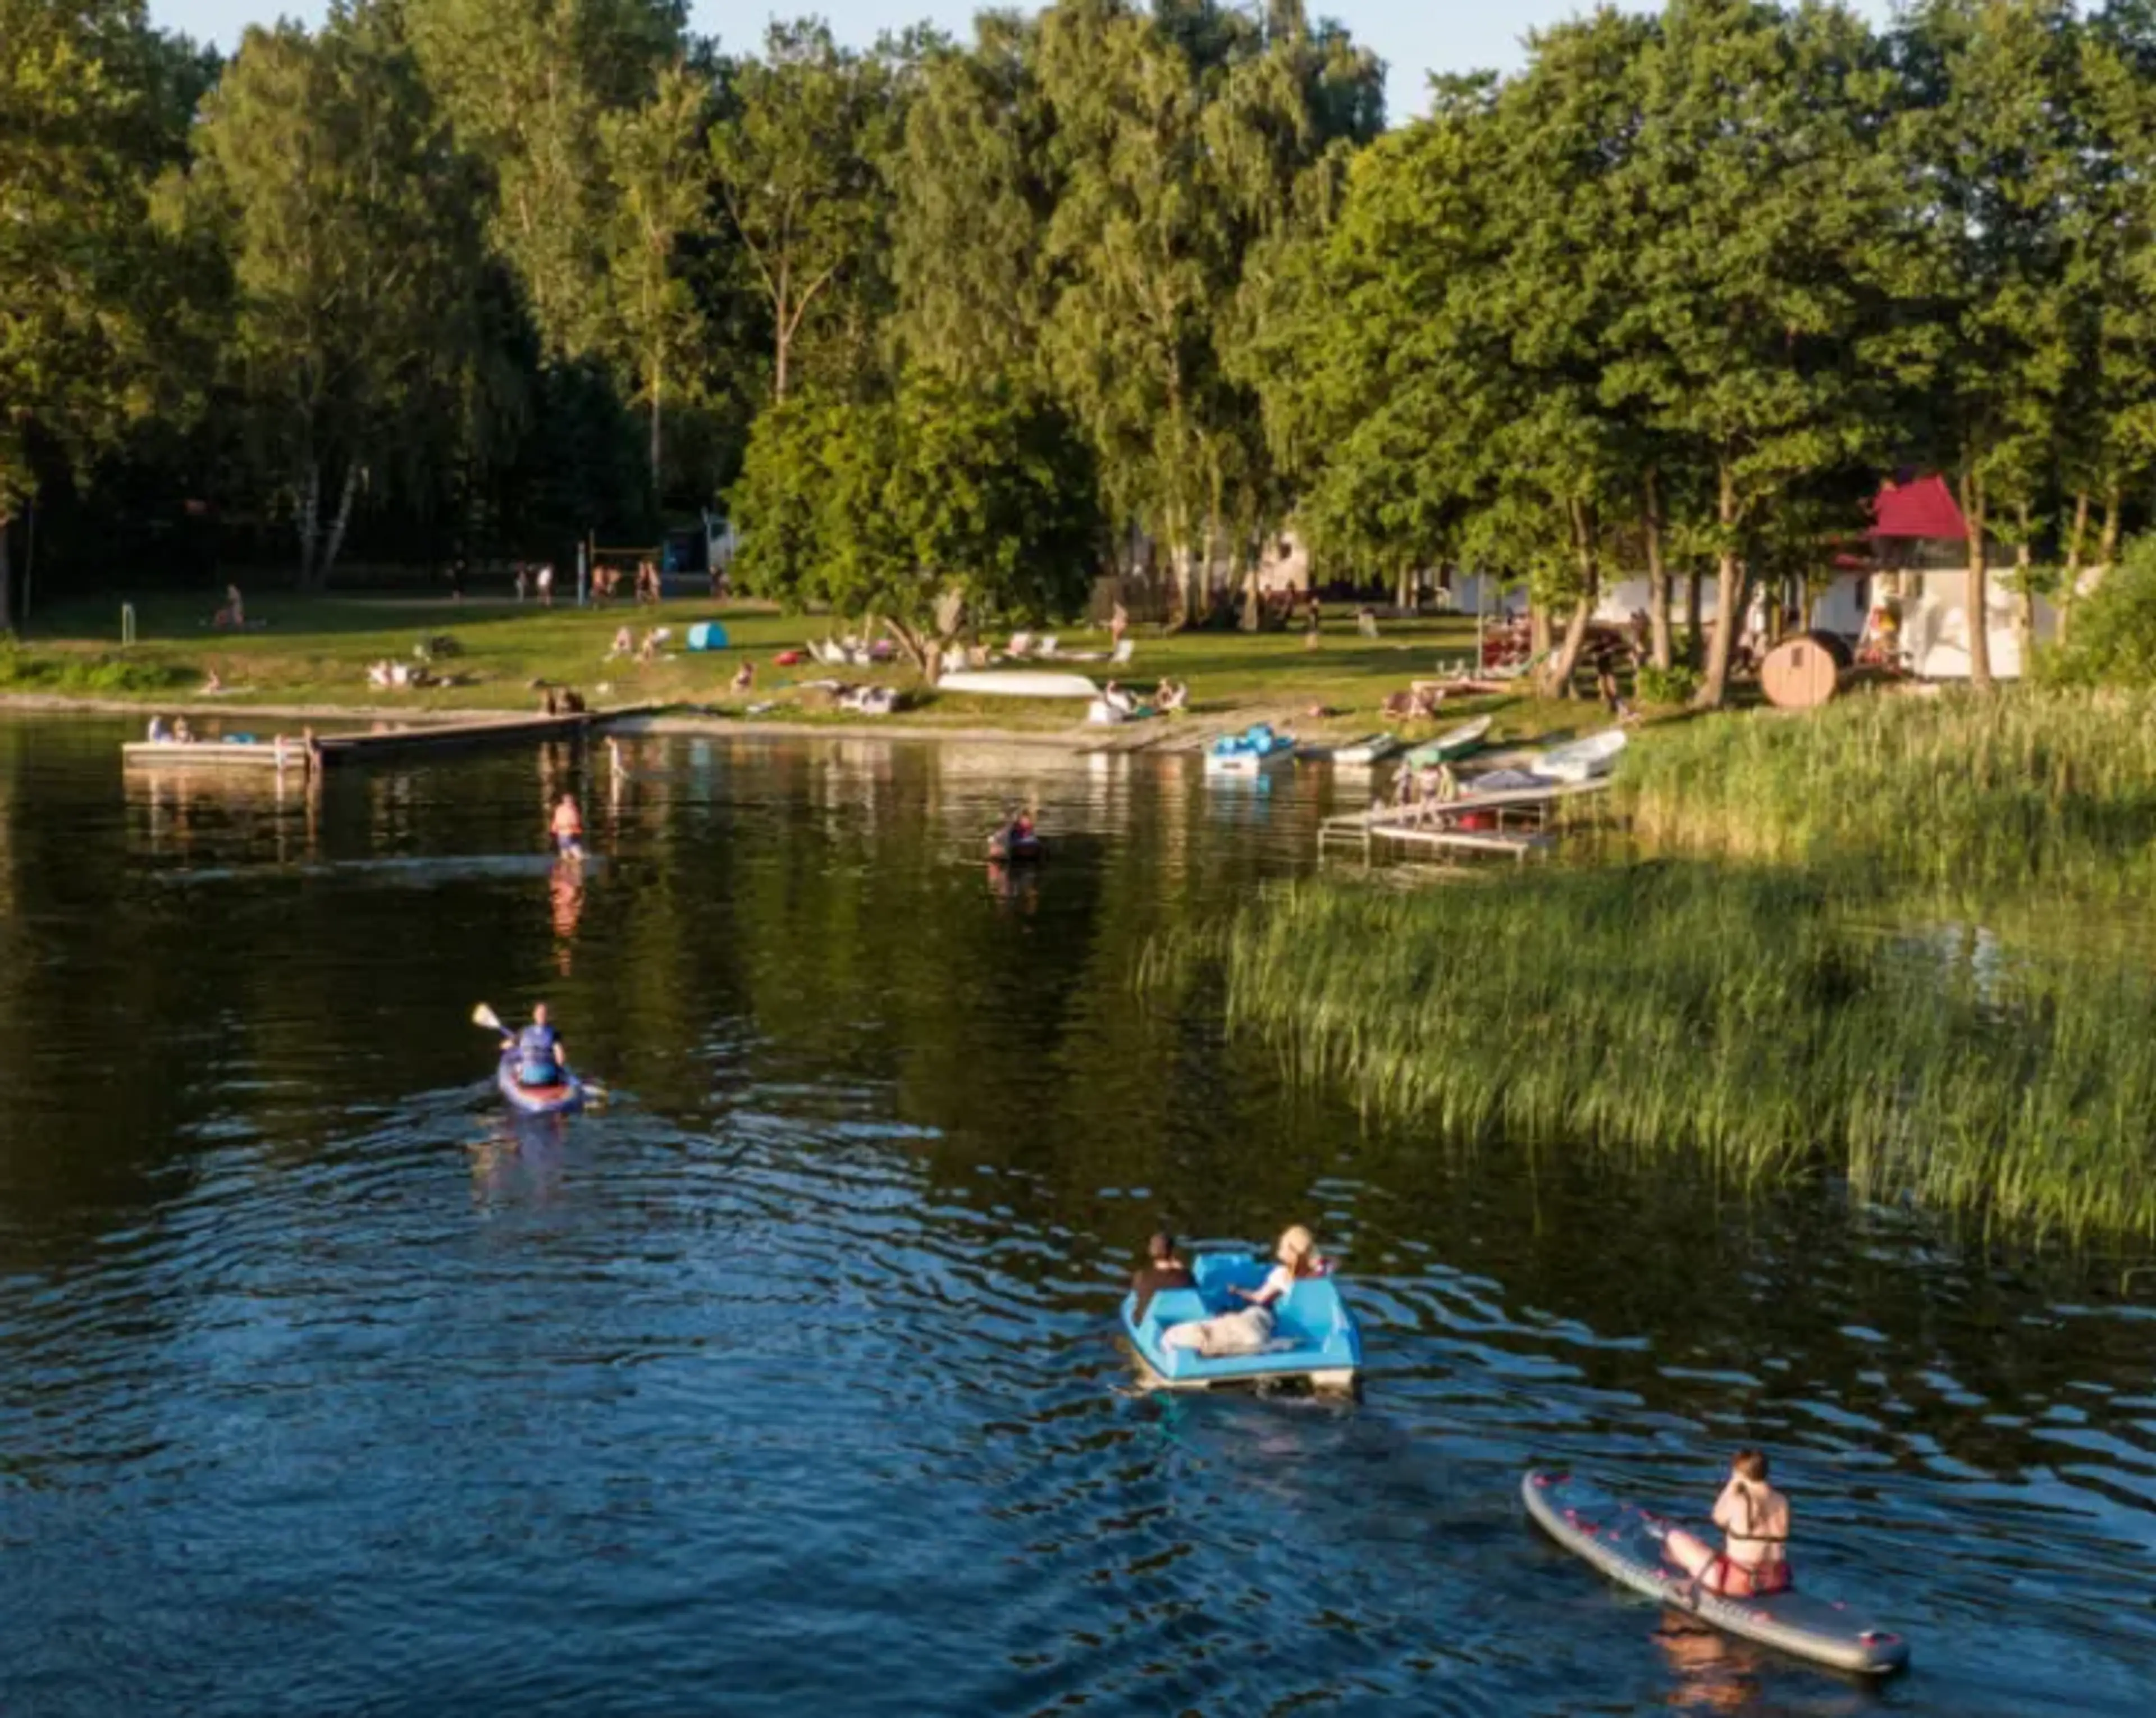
x=1667, y=1008
x=1955, y=791
x=24, y=670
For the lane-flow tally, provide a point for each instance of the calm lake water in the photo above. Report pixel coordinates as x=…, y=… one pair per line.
x=790, y=1383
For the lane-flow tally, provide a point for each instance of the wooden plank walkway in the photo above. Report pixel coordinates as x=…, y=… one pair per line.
x=288, y=751
x=279, y=752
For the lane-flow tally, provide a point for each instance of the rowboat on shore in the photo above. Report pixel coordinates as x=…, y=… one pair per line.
x=1367, y=750
x=1454, y=742
x=1018, y=683
x=1581, y=760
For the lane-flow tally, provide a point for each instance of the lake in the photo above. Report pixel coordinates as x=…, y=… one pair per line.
x=789, y=1381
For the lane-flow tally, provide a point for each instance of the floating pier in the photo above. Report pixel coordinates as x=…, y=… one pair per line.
x=1435, y=828
x=290, y=751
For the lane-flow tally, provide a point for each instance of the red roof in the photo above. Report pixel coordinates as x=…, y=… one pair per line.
x=1923, y=507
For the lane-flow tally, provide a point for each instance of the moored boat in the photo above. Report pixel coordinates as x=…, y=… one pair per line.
x=1315, y=1335
x=1369, y=749
x=1255, y=749
x=1581, y=760
x=1455, y=741
x=554, y=1099
x=1625, y=1542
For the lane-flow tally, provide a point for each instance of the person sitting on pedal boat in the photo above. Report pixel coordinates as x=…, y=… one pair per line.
x=1248, y=1331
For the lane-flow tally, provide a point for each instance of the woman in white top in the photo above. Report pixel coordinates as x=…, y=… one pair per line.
x=1247, y=1331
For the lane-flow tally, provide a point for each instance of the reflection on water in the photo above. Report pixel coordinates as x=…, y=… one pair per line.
x=788, y=1383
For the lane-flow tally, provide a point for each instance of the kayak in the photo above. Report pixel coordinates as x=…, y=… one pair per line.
x=538, y=1100
x=1624, y=1541
x=1455, y=741
x=1315, y=1337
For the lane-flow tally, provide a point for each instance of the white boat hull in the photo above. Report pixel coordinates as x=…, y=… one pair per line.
x=1018, y=683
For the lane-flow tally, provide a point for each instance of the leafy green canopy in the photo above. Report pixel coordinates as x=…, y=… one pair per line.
x=926, y=512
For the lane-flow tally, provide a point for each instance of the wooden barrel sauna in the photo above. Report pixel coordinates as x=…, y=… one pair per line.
x=1803, y=670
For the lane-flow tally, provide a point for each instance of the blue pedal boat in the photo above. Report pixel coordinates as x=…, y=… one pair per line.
x=1315, y=1337
x=557, y=1099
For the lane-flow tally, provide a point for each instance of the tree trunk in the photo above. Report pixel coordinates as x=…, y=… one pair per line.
x=336, y=543
x=309, y=522
x=2025, y=607
x=1696, y=628
x=1973, y=606
x=2070, y=579
x=1728, y=596
x=1557, y=673
x=1658, y=580
x=7, y=579
x=658, y=383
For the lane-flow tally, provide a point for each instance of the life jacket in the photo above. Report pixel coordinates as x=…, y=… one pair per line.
x=538, y=1063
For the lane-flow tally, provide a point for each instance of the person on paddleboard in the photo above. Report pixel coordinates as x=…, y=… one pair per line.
x=569, y=827
x=541, y=1057
x=1754, y=1519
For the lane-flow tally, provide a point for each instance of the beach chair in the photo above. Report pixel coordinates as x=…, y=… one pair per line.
x=1124, y=651
x=1046, y=647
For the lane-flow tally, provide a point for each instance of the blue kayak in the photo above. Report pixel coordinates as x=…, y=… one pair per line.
x=538, y=1100
x=1314, y=1333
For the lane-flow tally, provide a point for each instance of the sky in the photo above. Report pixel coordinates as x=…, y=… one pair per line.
x=1412, y=37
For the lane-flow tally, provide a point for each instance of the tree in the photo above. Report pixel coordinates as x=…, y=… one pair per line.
x=79, y=142
x=927, y=512
x=1989, y=141
x=527, y=85
x=655, y=161
x=352, y=265
x=1754, y=211
x=800, y=150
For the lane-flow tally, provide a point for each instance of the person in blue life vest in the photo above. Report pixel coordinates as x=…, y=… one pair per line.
x=541, y=1057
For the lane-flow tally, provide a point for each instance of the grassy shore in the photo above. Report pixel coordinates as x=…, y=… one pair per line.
x=316, y=652
x=1951, y=792
x=1737, y=1013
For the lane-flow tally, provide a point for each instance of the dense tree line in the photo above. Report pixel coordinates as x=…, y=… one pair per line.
x=949, y=326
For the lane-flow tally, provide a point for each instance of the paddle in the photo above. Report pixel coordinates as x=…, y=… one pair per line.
x=482, y=1015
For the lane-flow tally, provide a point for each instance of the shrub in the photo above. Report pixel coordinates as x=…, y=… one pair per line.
x=2110, y=637
x=1675, y=684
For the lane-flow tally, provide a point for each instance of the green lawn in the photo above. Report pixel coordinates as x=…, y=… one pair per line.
x=316, y=651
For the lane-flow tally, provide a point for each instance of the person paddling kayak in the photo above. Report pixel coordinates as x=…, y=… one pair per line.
x=569, y=827
x=540, y=1058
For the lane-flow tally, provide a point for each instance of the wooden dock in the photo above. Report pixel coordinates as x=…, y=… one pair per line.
x=290, y=751
x=277, y=753
x=1436, y=827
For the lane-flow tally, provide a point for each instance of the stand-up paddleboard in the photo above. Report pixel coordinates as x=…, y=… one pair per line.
x=538, y=1100
x=1625, y=1542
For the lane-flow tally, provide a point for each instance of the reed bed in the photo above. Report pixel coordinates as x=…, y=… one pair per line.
x=1956, y=792
x=1671, y=1007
